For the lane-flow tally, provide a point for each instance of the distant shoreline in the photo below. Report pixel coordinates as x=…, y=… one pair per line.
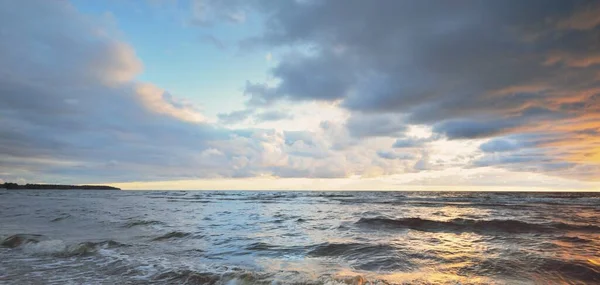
x=15, y=186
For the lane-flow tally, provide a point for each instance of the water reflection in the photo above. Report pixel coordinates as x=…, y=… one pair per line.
x=302, y=237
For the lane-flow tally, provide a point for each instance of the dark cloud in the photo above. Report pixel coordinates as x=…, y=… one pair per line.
x=471, y=129
x=499, y=145
x=362, y=126
x=468, y=69
x=398, y=56
x=305, y=77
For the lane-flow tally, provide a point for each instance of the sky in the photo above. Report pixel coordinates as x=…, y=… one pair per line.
x=301, y=94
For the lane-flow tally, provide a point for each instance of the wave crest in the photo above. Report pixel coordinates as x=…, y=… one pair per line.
x=137, y=223
x=172, y=235
x=469, y=225
x=20, y=239
x=57, y=248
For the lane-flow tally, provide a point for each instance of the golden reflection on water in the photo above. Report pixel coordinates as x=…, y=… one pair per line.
x=419, y=277
x=442, y=257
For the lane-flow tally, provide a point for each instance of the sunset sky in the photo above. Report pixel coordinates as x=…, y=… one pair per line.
x=301, y=94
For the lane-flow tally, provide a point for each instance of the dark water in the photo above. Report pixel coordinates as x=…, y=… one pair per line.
x=177, y=237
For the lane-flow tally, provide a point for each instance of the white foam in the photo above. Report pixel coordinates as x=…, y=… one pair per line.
x=45, y=247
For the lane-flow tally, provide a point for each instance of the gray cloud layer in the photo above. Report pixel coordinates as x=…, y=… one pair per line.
x=469, y=69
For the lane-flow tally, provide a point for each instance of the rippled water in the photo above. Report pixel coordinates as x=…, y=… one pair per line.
x=197, y=237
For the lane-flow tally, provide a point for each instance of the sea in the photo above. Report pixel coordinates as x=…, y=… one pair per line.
x=309, y=237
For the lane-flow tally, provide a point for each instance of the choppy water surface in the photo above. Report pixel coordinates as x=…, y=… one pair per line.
x=196, y=237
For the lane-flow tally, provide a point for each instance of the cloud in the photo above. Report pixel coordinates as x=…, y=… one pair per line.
x=304, y=77
x=470, y=129
x=584, y=18
x=273, y=115
x=470, y=71
x=208, y=12
x=73, y=112
x=500, y=145
x=423, y=163
x=240, y=116
x=292, y=137
x=235, y=116
x=519, y=80
x=159, y=101
x=411, y=142
x=394, y=155
x=362, y=126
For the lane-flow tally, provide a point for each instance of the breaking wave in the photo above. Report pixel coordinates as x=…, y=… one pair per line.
x=40, y=245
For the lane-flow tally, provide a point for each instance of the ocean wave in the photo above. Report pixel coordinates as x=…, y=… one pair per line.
x=137, y=223
x=335, y=195
x=341, y=249
x=188, y=200
x=540, y=270
x=59, y=249
x=41, y=245
x=573, y=270
x=573, y=239
x=187, y=277
x=239, y=276
x=263, y=248
x=469, y=225
x=63, y=217
x=20, y=239
x=257, y=246
x=365, y=256
x=172, y=235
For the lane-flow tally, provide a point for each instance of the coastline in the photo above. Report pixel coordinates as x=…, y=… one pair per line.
x=15, y=186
